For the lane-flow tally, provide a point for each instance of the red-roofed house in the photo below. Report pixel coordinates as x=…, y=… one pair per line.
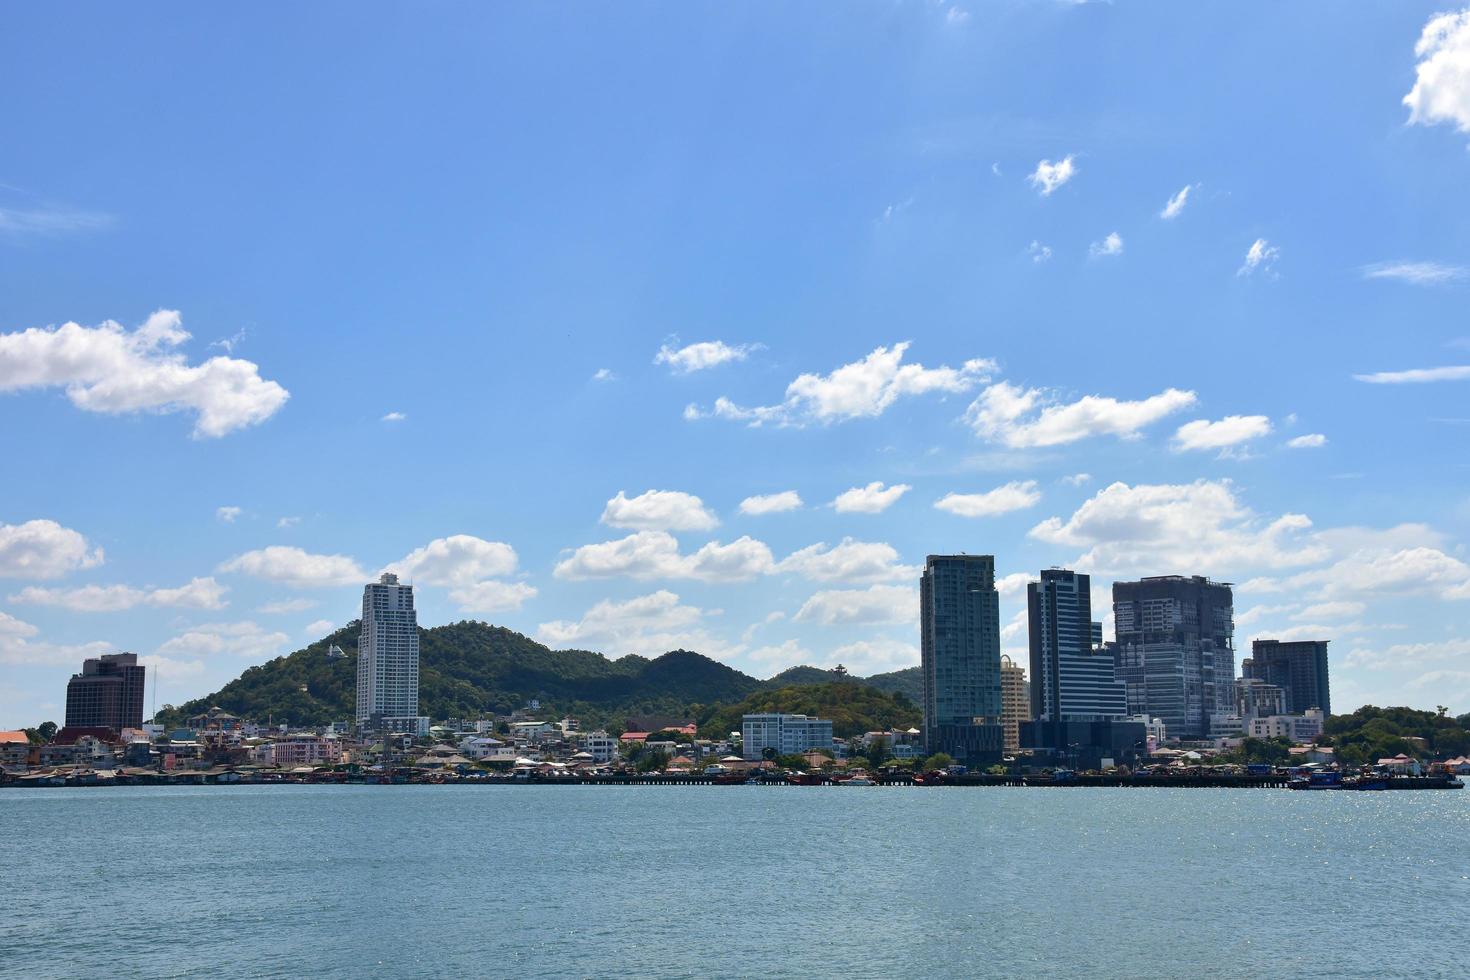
x=7, y=738
x=634, y=736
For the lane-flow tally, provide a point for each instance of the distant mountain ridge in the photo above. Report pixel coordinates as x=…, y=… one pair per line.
x=469, y=669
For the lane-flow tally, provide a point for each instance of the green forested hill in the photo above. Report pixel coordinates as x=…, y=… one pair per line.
x=852, y=706
x=468, y=669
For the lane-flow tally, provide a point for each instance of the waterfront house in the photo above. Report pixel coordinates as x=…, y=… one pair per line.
x=1401, y=765
x=1460, y=765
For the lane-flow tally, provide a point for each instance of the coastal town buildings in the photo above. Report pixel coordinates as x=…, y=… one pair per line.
x=108, y=693
x=1296, y=728
x=1297, y=667
x=1015, y=702
x=785, y=734
x=959, y=631
x=388, y=659
x=1175, y=650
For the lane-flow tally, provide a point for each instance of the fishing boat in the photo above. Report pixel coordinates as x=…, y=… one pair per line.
x=1327, y=779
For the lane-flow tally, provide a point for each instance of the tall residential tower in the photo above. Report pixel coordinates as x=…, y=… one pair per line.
x=108, y=693
x=1176, y=650
x=959, y=627
x=1298, y=667
x=388, y=659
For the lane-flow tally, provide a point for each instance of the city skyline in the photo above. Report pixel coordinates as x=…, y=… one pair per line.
x=725, y=390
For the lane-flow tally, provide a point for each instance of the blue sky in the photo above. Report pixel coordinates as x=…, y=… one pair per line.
x=430, y=287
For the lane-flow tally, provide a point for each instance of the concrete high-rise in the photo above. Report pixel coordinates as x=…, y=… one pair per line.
x=1070, y=679
x=388, y=659
x=1298, y=667
x=1015, y=702
x=1175, y=650
x=959, y=628
x=108, y=693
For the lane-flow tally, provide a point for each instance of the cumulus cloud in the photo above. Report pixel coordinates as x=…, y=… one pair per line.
x=285, y=522
x=1413, y=376
x=875, y=656
x=771, y=503
x=1039, y=253
x=296, y=568
x=1189, y=528
x=242, y=639
x=111, y=370
x=1261, y=255
x=319, y=627
x=706, y=354
x=491, y=597
x=875, y=604
x=227, y=514
x=1077, y=479
x=1048, y=176
x=393, y=417
x=1441, y=92
x=1311, y=440
x=604, y=374
x=1016, y=495
x=1368, y=572
x=198, y=593
x=43, y=549
x=1417, y=273
x=1227, y=433
x=659, y=510
x=646, y=625
x=1013, y=584
x=287, y=606
x=1031, y=417
x=850, y=561
x=1111, y=245
x=458, y=560
x=655, y=554
x=954, y=16
x=862, y=389
x=1176, y=203
x=871, y=499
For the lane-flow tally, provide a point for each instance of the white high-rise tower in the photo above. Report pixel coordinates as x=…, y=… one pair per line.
x=388, y=659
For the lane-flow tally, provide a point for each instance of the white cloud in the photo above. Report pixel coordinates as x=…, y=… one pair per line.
x=242, y=639
x=1311, y=440
x=107, y=369
x=1230, y=431
x=51, y=221
x=1111, y=245
x=296, y=568
x=1374, y=571
x=1014, y=627
x=855, y=562
x=659, y=510
x=1013, y=584
x=287, y=606
x=771, y=503
x=1459, y=372
x=1330, y=610
x=1077, y=479
x=1441, y=92
x=1413, y=654
x=286, y=522
x=1193, y=528
x=458, y=560
x=1176, y=203
x=393, y=417
x=655, y=554
x=1028, y=418
x=1261, y=255
x=604, y=374
x=43, y=549
x=1039, y=253
x=1417, y=273
x=1016, y=495
x=227, y=514
x=871, y=499
x=780, y=656
x=706, y=354
x=198, y=593
x=647, y=625
x=489, y=597
x=862, y=389
x=165, y=668
x=1048, y=176
x=319, y=628
x=875, y=604
x=12, y=628
x=955, y=16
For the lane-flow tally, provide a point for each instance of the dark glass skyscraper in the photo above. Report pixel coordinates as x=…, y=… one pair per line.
x=1298, y=667
x=1069, y=682
x=1175, y=650
x=108, y=693
x=959, y=624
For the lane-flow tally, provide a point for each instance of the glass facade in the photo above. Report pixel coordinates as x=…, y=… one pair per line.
x=959, y=613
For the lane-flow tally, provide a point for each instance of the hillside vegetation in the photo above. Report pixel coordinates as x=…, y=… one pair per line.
x=852, y=706
x=470, y=669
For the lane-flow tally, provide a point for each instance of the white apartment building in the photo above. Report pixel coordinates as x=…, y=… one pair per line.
x=388, y=659
x=787, y=734
x=601, y=746
x=1296, y=728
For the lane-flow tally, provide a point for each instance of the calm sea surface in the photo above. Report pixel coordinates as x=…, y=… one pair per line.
x=466, y=881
